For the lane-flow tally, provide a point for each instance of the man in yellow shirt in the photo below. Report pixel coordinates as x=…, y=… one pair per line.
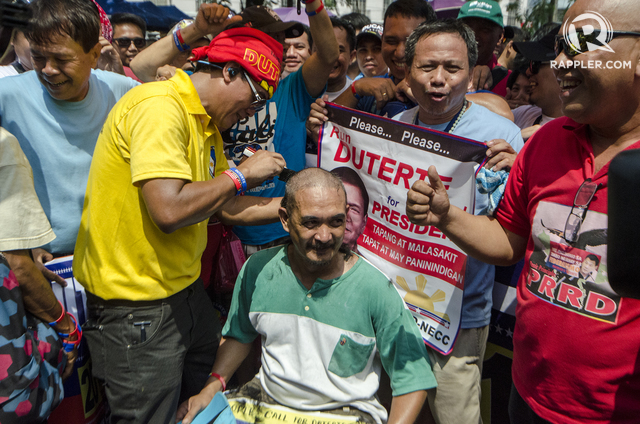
x=155, y=179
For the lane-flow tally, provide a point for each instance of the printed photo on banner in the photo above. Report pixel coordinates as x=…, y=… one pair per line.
x=378, y=160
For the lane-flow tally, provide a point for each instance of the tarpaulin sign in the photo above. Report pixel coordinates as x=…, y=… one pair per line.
x=388, y=157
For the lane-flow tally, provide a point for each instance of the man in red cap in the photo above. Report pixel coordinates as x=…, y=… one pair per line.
x=280, y=126
x=156, y=178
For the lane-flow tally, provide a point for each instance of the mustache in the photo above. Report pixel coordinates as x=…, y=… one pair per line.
x=321, y=246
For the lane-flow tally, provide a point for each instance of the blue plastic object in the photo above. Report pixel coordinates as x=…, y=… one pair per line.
x=217, y=412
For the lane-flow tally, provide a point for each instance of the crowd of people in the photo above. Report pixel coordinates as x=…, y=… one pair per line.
x=124, y=154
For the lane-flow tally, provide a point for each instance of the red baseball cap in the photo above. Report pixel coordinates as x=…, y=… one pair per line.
x=259, y=54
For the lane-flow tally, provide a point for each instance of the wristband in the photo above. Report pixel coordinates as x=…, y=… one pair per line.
x=56, y=322
x=318, y=10
x=235, y=179
x=241, y=177
x=69, y=345
x=220, y=379
x=76, y=331
x=353, y=90
x=179, y=41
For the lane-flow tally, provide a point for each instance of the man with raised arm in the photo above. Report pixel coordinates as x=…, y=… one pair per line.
x=575, y=347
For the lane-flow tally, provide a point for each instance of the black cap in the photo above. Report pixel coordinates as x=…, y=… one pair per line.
x=542, y=50
x=266, y=20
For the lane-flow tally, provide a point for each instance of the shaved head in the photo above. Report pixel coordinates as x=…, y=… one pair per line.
x=624, y=15
x=585, y=88
x=306, y=179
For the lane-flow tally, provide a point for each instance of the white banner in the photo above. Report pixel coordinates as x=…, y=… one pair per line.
x=388, y=157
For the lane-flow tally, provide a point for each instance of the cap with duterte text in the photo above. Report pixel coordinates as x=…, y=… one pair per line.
x=266, y=20
x=371, y=30
x=485, y=9
x=259, y=54
x=542, y=50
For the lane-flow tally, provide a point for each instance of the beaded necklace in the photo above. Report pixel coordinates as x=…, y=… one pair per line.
x=453, y=123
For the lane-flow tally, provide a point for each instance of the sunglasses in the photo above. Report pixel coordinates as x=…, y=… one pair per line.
x=561, y=44
x=534, y=67
x=139, y=42
x=581, y=202
x=259, y=102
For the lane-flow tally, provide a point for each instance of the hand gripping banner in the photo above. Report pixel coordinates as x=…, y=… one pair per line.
x=387, y=157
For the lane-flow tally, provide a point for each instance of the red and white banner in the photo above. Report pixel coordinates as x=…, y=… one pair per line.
x=389, y=156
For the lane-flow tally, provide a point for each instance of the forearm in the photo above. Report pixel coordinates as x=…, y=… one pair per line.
x=317, y=68
x=174, y=204
x=161, y=53
x=347, y=99
x=482, y=237
x=250, y=210
x=324, y=38
x=36, y=291
x=229, y=357
x=405, y=408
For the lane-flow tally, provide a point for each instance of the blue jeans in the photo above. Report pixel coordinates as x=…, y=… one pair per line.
x=152, y=355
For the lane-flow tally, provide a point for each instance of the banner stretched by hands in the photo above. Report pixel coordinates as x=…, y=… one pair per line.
x=378, y=160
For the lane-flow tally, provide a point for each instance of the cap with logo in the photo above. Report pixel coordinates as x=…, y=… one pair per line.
x=542, y=49
x=259, y=54
x=370, y=31
x=485, y=9
x=266, y=20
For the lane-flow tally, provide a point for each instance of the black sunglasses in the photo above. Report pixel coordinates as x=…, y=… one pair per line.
x=581, y=202
x=139, y=42
x=561, y=44
x=534, y=67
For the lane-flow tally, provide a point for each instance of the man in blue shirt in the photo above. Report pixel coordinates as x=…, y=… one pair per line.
x=57, y=110
x=440, y=57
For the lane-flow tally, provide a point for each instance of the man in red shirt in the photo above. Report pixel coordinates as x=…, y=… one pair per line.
x=575, y=345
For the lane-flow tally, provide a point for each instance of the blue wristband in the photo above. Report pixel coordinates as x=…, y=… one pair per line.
x=181, y=47
x=241, y=177
x=315, y=12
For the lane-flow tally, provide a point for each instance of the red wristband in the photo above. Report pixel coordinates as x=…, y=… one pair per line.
x=235, y=180
x=353, y=90
x=56, y=322
x=318, y=10
x=220, y=379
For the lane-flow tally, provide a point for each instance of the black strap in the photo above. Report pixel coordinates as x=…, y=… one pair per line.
x=538, y=120
x=498, y=73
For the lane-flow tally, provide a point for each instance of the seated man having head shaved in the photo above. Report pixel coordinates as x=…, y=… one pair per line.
x=327, y=320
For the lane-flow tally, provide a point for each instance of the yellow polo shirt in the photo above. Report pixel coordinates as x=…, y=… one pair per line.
x=157, y=130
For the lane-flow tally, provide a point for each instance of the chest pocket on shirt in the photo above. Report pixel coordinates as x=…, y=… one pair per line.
x=349, y=357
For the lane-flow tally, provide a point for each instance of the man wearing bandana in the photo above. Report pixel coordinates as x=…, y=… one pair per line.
x=156, y=178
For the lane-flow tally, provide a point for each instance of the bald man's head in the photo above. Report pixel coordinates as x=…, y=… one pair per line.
x=310, y=178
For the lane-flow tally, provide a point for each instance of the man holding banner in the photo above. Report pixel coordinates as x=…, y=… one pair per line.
x=440, y=57
x=576, y=347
